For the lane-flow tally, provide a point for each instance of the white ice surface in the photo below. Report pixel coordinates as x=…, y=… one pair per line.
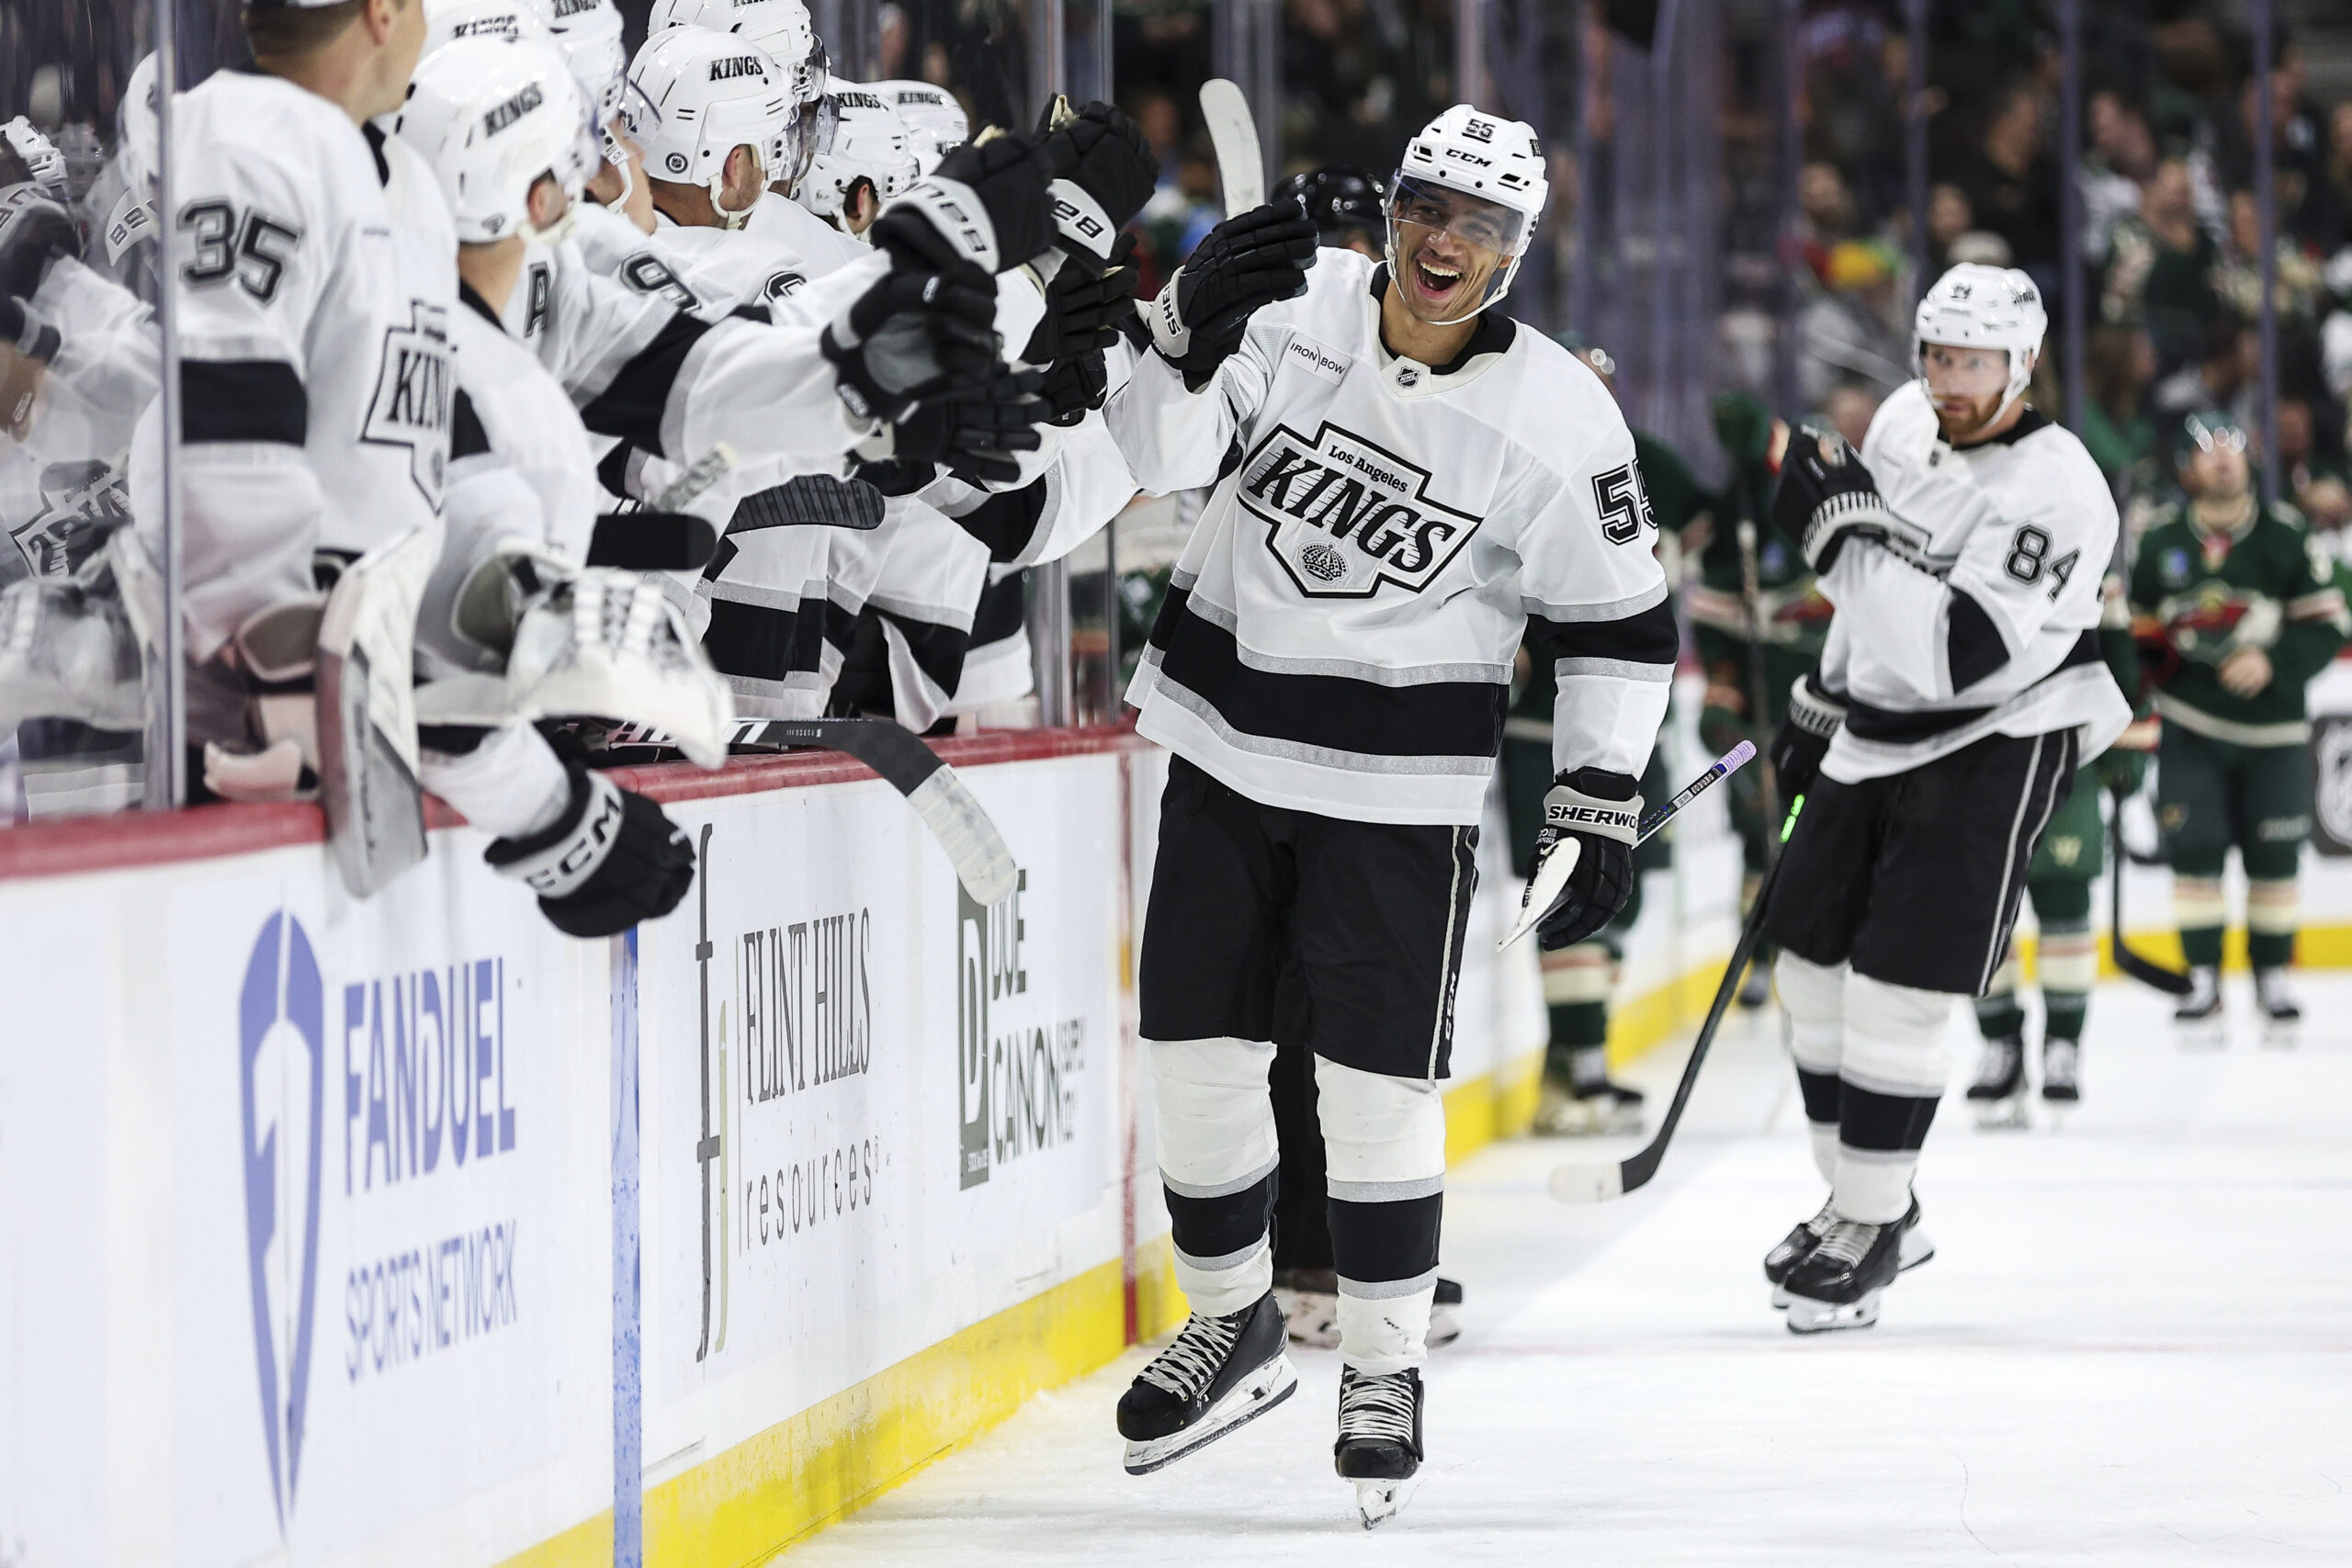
x=2134, y=1348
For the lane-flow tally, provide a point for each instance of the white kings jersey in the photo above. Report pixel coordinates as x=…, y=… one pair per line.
x=1338, y=636
x=1982, y=617
x=317, y=272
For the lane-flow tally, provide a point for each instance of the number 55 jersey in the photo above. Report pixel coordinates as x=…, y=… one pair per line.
x=1980, y=615
x=1337, y=635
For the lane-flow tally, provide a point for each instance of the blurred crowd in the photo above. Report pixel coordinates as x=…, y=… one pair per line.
x=2171, y=239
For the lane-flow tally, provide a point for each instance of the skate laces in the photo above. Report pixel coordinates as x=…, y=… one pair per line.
x=1846, y=1241
x=1994, y=1066
x=1376, y=1405
x=1185, y=1368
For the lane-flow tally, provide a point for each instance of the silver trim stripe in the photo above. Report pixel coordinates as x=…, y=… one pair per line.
x=1619, y=668
x=1218, y=1265
x=1387, y=1290
x=1219, y=1189
x=1616, y=610
x=1386, y=1192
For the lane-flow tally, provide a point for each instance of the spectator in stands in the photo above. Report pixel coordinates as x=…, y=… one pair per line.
x=2314, y=480
x=2160, y=265
x=2297, y=145
x=1846, y=330
x=2222, y=378
x=2121, y=156
x=2118, y=363
x=2297, y=294
x=1949, y=217
x=2011, y=184
x=2332, y=196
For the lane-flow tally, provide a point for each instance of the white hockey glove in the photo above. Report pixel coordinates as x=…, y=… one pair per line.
x=1249, y=260
x=1600, y=812
x=1827, y=497
x=611, y=859
x=1803, y=738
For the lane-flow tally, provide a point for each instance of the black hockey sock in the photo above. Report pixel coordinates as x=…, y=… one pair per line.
x=1999, y=1016
x=2063, y=1014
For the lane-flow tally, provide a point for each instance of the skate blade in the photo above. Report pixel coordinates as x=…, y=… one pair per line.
x=1914, y=1248
x=1576, y=1120
x=1265, y=1388
x=1311, y=1319
x=1377, y=1502
x=2282, y=1033
x=1445, y=1326
x=2007, y=1115
x=2201, y=1034
x=1809, y=1316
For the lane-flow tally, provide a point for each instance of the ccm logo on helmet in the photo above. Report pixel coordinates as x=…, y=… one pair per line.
x=736, y=65
x=1464, y=155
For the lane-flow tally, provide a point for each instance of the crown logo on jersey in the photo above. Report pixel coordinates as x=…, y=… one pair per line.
x=1346, y=515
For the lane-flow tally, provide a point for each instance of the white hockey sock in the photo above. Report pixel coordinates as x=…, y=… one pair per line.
x=1216, y=1160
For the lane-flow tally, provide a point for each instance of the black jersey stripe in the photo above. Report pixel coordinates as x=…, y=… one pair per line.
x=242, y=400
x=1003, y=606
x=1006, y=522
x=1972, y=645
x=1646, y=637
x=1894, y=727
x=631, y=407
x=1446, y=718
x=467, y=437
x=761, y=642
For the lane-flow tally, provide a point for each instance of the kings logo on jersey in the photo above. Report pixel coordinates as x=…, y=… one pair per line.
x=410, y=407
x=1345, y=517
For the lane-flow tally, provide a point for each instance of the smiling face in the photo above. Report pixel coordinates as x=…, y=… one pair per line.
x=1966, y=385
x=1451, y=248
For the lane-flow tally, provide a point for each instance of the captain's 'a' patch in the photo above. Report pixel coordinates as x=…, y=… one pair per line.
x=1345, y=515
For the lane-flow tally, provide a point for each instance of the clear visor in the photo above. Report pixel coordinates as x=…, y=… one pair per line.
x=2225, y=438
x=632, y=114
x=1960, y=370
x=807, y=136
x=1472, y=220
x=813, y=78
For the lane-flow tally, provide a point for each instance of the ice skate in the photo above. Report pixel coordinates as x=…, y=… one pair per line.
x=1592, y=1108
x=2199, y=1016
x=1220, y=1373
x=1839, y=1282
x=1913, y=1249
x=1380, y=1440
x=2281, y=1014
x=1998, y=1094
x=2062, y=1062
x=1445, y=1315
x=1310, y=1301
x=1793, y=1249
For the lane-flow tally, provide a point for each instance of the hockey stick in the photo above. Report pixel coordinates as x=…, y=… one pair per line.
x=2171, y=982
x=1552, y=875
x=1599, y=1183
x=1240, y=166
x=977, y=851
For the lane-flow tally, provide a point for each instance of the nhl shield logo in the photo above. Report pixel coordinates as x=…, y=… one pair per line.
x=1345, y=517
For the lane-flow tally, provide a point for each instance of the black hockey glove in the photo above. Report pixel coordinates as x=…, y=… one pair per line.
x=1602, y=811
x=1083, y=312
x=912, y=336
x=1804, y=738
x=1827, y=497
x=24, y=330
x=895, y=475
x=985, y=204
x=33, y=234
x=973, y=433
x=1102, y=172
x=614, y=859
x=1247, y=261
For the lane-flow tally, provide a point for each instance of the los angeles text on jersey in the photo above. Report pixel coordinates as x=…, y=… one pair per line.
x=1348, y=515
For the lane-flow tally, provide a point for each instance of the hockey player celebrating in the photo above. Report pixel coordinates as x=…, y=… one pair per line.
x=2242, y=613
x=1960, y=688
x=1418, y=484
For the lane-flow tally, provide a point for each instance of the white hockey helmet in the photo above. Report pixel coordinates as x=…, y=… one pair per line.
x=871, y=142
x=715, y=93
x=139, y=129
x=1975, y=306
x=589, y=34
x=1473, y=154
x=783, y=27
x=934, y=117
x=42, y=161
x=492, y=117
x=446, y=21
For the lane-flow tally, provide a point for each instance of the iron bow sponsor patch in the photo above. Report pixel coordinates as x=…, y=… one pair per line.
x=1318, y=360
